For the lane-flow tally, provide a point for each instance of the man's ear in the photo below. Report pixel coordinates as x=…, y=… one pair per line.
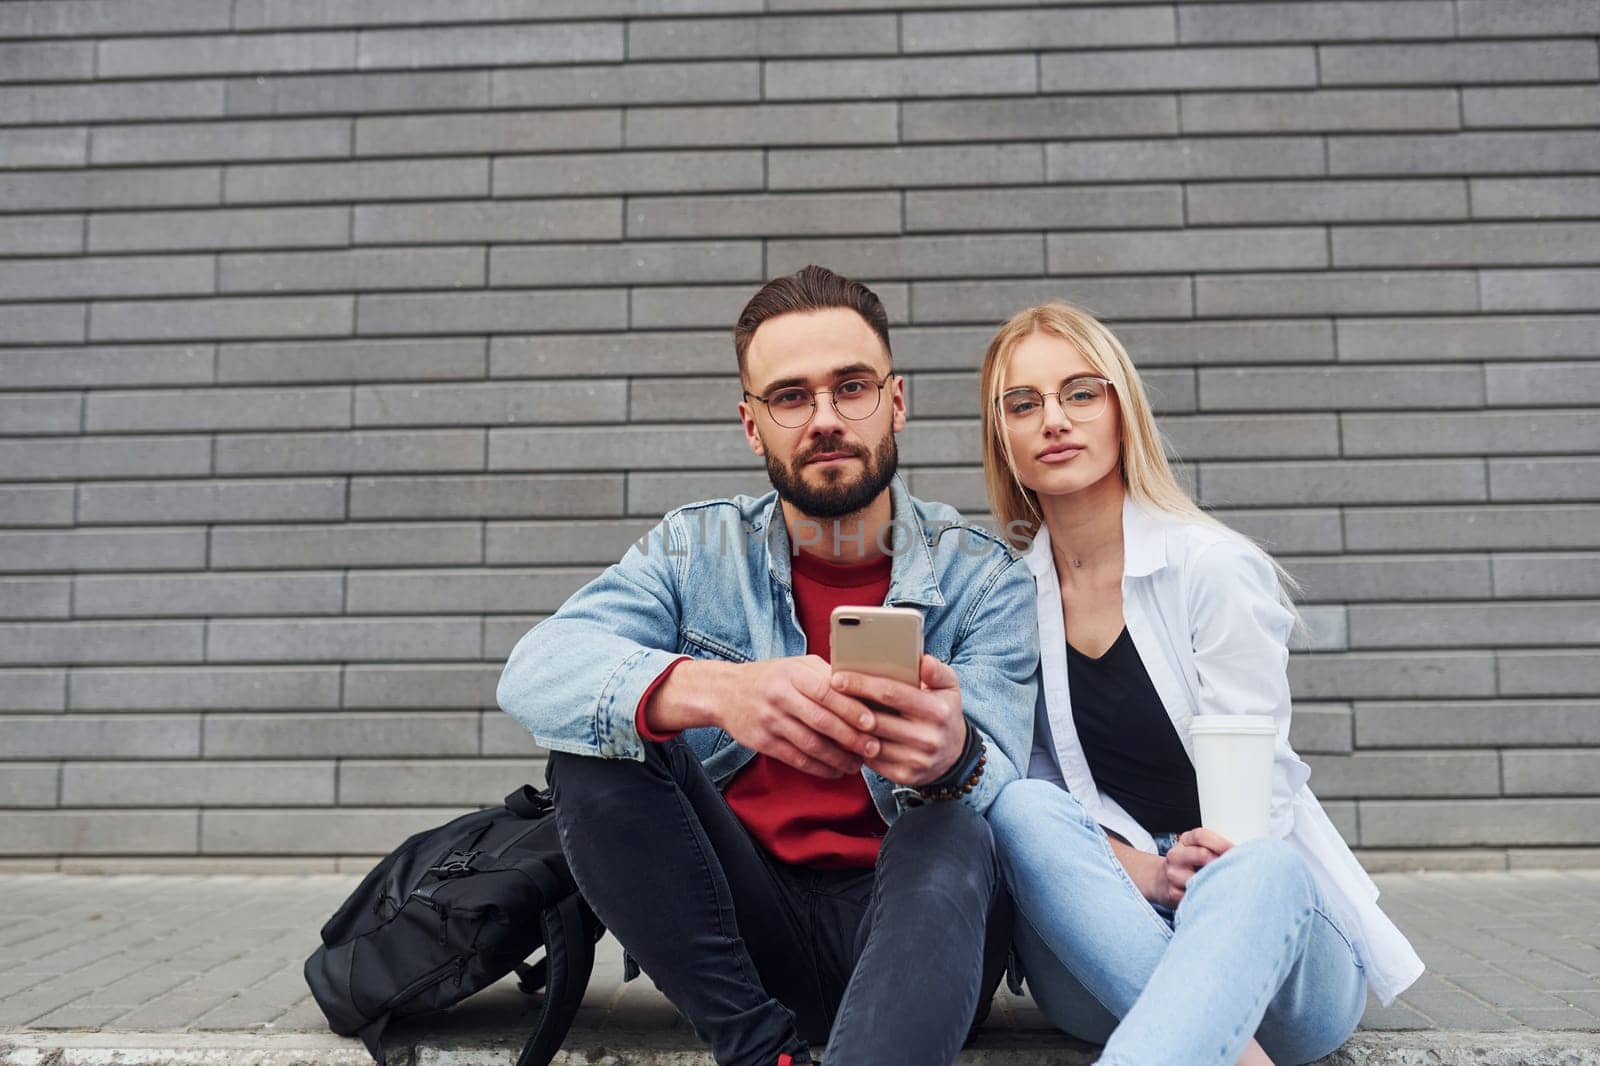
x=897, y=402
x=752, y=436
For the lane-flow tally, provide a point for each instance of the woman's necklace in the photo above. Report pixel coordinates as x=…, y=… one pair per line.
x=1076, y=561
x=1064, y=556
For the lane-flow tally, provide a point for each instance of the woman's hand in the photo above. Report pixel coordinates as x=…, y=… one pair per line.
x=1163, y=880
x=1187, y=857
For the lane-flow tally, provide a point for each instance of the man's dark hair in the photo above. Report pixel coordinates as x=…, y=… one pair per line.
x=814, y=288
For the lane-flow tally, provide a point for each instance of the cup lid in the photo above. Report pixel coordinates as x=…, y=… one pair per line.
x=1233, y=724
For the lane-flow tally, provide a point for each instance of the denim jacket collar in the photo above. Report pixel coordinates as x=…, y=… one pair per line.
x=912, y=579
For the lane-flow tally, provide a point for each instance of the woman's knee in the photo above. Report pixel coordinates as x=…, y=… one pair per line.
x=1011, y=808
x=1042, y=836
x=1270, y=864
x=1024, y=806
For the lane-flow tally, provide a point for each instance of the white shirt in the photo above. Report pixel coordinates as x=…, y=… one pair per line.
x=1201, y=606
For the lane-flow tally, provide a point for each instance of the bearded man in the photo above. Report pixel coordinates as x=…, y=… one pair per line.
x=795, y=856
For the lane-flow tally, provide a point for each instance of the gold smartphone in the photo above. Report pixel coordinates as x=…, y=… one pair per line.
x=884, y=641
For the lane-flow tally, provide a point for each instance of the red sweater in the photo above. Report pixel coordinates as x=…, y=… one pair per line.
x=798, y=818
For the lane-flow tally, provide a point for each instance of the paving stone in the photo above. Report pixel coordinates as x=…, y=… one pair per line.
x=1457, y=1010
x=1507, y=992
x=1556, y=1018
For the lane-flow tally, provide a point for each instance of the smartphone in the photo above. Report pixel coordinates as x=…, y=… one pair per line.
x=884, y=641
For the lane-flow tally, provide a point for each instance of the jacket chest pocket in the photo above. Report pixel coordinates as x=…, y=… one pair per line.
x=704, y=646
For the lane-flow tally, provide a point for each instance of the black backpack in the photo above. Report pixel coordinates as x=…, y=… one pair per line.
x=453, y=910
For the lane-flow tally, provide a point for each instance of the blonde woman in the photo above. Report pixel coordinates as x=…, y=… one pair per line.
x=1135, y=927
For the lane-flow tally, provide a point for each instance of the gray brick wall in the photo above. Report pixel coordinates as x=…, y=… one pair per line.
x=339, y=343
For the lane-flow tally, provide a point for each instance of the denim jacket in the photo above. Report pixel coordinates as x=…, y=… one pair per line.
x=712, y=581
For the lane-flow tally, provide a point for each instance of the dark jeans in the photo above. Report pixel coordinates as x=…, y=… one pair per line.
x=763, y=957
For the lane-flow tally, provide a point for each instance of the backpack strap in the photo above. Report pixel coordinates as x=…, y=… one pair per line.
x=530, y=979
x=526, y=802
x=371, y=1035
x=568, y=962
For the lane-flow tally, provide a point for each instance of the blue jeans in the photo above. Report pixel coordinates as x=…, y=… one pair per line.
x=1250, y=951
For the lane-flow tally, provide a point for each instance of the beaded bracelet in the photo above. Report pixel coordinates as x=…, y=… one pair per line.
x=967, y=782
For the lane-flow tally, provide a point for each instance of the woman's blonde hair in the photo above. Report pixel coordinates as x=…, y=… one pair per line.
x=1146, y=474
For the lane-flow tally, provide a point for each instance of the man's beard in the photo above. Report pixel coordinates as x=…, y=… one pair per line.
x=839, y=496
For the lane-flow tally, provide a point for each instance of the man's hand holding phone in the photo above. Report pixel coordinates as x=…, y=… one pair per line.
x=882, y=702
x=916, y=699
x=782, y=708
x=921, y=727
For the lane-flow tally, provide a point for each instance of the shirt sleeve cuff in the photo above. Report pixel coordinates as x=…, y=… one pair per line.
x=638, y=715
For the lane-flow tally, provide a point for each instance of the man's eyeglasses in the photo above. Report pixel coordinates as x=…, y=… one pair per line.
x=854, y=398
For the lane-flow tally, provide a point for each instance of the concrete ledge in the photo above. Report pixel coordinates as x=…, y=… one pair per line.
x=1374, y=860
x=73, y=1048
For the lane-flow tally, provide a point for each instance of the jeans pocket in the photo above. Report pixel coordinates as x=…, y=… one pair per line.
x=1355, y=956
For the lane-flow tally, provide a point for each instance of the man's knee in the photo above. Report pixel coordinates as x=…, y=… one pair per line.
x=955, y=827
x=945, y=844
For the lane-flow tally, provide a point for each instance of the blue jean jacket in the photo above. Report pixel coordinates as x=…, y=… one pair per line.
x=712, y=581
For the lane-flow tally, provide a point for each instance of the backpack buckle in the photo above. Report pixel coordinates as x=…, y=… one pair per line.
x=455, y=864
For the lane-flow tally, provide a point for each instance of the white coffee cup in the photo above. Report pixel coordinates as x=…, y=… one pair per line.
x=1233, y=769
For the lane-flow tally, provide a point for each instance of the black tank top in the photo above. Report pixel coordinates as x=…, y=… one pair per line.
x=1130, y=743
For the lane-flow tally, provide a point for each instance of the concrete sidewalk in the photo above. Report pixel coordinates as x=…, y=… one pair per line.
x=206, y=969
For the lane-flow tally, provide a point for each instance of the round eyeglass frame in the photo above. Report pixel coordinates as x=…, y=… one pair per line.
x=811, y=412
x=1105, y=402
